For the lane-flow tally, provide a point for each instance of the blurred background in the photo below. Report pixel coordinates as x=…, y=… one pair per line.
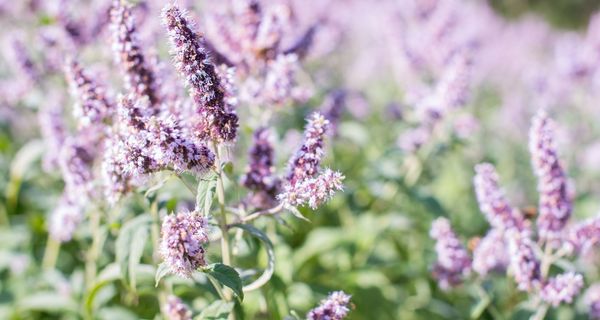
x=407, y=157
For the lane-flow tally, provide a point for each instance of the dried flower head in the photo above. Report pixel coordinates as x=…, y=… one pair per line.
x=184, y=236
x=562, y=289
x=193, y=63
x=139, y=77
x=335, y=307
x=555, y=199
x=175, y=309
x=453, y=261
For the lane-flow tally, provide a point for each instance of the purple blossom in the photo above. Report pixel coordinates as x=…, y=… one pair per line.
x=333, y=107
x=335, y=307
x=412, y=140
x=192, y=61
x=453, y=261
x=524, y=264
x=302, y=46
x=53, y=131
x=271, y=30
x=76, y=159
x=139, y=77
x=306, y=161
x=562, y=289
x=555, y=199
x=491, y=253
x=64, y=219
x=184, y=236
x=584, y=235
x=592, y=300
x=313, y=191
x=93, y=106
x=259, y=176
x=453, y=89
x=280, y=80
x=24, y=62
x=175, y=309
x=492, y=200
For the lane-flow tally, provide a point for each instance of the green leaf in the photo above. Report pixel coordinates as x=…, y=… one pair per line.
x=297, y=213
x=268, y=273
x=227, y=276
x=48, y=301
x=218, y=310
x=228, y=168
x=109, y=274
x=127, y=243
x=150, y=192
x=205, y=193
x=161, y=271
x=140, y=236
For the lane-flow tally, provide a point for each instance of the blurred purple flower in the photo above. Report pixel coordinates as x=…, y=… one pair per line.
x=335, y=307
x=562, y=289
x=259, y=176
x=175, y=309
x=491, y=253
x=555, y=198
x=592, y=300
x=65, y=218
x=453, y=261
x=524, y=264
x=53, y=131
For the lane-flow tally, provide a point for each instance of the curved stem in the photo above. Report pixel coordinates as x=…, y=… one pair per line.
x=540, y=313
x=261, y=213
x=225, y=249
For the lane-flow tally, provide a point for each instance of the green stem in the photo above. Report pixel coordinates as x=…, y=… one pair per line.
x=51, y=253
x=94, y=252
x=540, y=313
x=225, y=248
x=546, y=260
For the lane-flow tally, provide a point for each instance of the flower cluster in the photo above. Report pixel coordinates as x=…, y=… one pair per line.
x=335, y=307
x=184, y=236
x=175, y=309
x=64, y=220
x=592, y=300
x=139, y=77
x=53, y=131
x=305, y=183
x=453, y=261
x=555, y=198
x=217, y=121
x=524, y=263
x=562, y=289
x=93, y=106
x=259, y=176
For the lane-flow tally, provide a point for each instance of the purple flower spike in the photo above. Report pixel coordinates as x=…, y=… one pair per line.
x=259, y=175
x=139, y=77
x=491, y=253
x=192, y=61
x=562, y=289
x=335, y=307
x=184, y=236
x=93, y=106
x=53, y=130
x=313, y=191
x=592, y=300
x=175, y=309
x=305, y=163
x=524, y=264
x=493, y=202
x=453, y=261
x=64, y=220
x=555, y=199
x=584, y=235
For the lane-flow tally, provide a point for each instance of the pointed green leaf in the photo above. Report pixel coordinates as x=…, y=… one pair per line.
x=206, y=192
x=227, y=276
x=161, y=272
x=218, y=310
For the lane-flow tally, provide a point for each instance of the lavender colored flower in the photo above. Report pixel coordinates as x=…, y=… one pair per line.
x=24, y=62
x=175, y=309
x=453, y=261
x=592, y=300
x=76, y=159
x=453, y=89
x=555, y=201
x=412, y=140
x=306, y=161
x=192, y=61
x=259, y=176
x=524, y=264
x=562, y=289
x=584, y=235
x=172, y=148
x=93, y=106
x=333, y=106
x=335, y=307
x=493, y=202
x=490, y=254
x=313, y=191
x=271, y=29
x=139, y=77
x=302, y=46
x=184, y=236
x=280, y=79
x=64, y=219
x=53, y=131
